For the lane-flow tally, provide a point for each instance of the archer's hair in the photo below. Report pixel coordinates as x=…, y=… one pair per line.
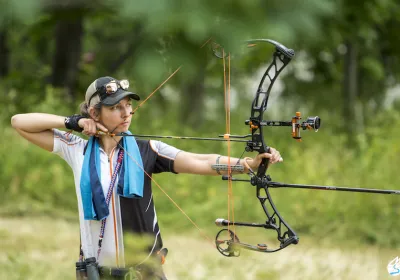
x=84, y=109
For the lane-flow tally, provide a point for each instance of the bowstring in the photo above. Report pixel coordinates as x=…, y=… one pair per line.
x=227, y=100
x=229, y=143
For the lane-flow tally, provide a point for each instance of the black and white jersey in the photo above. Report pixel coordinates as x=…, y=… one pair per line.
x=136, y=217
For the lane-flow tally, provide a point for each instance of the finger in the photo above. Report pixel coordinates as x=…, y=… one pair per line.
x=276, y=157
x=101, y=127
x=274, y=152
x=85, y=128
x=86, y=125
x=91, y=128
x=265, y=155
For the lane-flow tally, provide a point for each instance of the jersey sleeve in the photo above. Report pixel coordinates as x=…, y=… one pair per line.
x=166, y=155
x=68, y=145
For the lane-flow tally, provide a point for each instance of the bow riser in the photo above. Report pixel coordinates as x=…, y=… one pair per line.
x=259, y=106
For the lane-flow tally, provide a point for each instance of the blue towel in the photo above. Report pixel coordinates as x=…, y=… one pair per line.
x=130, y=182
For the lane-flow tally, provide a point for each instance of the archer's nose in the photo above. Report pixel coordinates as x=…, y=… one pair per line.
x=126, y=112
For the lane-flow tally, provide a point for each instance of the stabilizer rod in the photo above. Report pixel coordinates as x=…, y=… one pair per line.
x=317, y=187
x=331, y=188
x=223, y=223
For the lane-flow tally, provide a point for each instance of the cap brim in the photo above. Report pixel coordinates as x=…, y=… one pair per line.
x=118, y=96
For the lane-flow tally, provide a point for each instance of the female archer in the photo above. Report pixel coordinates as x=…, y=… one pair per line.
x=112, y=175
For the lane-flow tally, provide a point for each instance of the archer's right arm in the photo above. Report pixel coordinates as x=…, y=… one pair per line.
x=37, y=128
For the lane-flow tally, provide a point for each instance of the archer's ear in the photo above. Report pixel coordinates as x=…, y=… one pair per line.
x=94, y=114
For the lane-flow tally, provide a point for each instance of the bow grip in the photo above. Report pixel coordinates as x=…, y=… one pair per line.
x=262, y=168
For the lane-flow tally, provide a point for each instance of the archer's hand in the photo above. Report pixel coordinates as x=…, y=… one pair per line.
x=90, y=127
x=274, y=156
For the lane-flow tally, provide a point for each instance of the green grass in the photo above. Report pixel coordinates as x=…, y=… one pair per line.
x=45, y=248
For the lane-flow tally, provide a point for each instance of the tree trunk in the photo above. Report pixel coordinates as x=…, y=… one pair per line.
x=350, y=92
x=67, y=54
x=135, y=37
x=193, y=100
x=4, y=54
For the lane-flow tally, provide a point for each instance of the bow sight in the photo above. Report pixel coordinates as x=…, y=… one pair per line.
x=312, y=123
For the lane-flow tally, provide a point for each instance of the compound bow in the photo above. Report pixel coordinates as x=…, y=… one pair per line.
x=227, y=243
x=286, y=236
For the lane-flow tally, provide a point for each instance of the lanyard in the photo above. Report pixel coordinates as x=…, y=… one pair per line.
x=108, y=198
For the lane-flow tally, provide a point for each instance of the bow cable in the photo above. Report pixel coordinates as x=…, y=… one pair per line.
x=227, y=100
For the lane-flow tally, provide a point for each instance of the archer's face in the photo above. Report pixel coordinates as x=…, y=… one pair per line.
x=117, y=117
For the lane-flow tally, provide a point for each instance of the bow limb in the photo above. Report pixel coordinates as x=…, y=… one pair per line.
x=285, y=235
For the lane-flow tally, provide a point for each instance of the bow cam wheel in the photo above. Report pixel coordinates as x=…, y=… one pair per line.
x=226, y=243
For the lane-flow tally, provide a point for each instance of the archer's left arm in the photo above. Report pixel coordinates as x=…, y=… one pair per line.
x=201, y=163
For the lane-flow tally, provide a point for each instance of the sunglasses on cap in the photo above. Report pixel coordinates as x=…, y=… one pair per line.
x=113, y=86
x=110, y=88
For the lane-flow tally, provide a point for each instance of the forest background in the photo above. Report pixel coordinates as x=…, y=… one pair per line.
x=346, y=70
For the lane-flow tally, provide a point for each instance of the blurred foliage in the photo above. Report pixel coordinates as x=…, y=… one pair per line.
x=367, y=27
x=145, y=41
